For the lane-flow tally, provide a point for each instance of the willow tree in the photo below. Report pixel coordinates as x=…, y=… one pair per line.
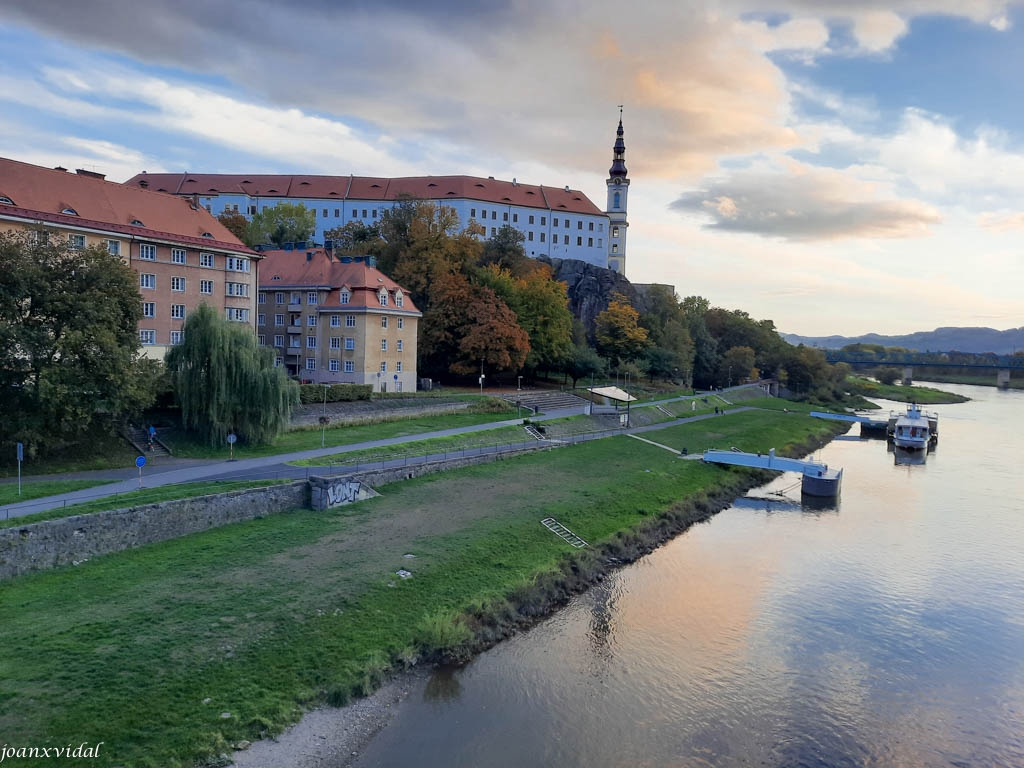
x=224, y=382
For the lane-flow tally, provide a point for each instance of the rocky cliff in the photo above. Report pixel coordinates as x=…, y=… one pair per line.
x=590, y=288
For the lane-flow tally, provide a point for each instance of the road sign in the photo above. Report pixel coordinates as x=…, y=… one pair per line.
x=396, y=377
x=232, y=438
x=140, y=462
x=21, y=449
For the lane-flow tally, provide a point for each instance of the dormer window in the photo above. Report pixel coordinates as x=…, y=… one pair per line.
x=344, y=297
x=4, y=200
x=399, y=299
x=382, y=297
x=137, y=223
x=207, y=234
x=69, y=211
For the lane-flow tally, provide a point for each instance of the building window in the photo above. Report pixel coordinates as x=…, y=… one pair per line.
x=113, y=247
x=76, y=241
x=206, y=287
x=311, y=321
x=311, y=342
x=566, y=224
x=147, y=252
x=483, y=214
x=325, y=213
x=493, y=231
x=579, y=224
x=350, y=343
x=236, y=289
x=335, y=321
x=355, y=214
x=350, y=366
x=494, y=215
x=334, y=366
x=294, y=342
x=177, y=337
x=147, y=337
x=344, y=297
x=542, y=235
x=373, y=213
x=401, y=323
x=261, y=340
x=384, y=321
x=350, y=321
x=554, y=222
x=543, y=221
x=579, y=241
x=384, y=367
x=383, y=345
x=261, y=319
x=398, y=366
x=364, y=213
x=400, y=346
x=617, y=200
x=147, y=281
x=237, y=315
x=279, y=320
x=382, y=297
x=278, y=362
x=600, y=226
x=177, y=255
x=311, y=297
x=279, y=341
x=262, y=298
x=530, y=220
x=399, y=299
x=615, y=231
x=472, y=213
x=504, y=216
x=42, y=237
x=335, y=342
x=149, y=309
x=337, y=213
x=206, y=260
x=295, y=298
x=565, y=239
x=615, y=247
x=178, y=284
x=310, y=363
x=600, y=242
x=529, y=235
x=233, y=264
x=177, y=311
x=590, y=242
x=279, y=297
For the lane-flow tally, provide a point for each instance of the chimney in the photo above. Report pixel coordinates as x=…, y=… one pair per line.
x=514, y=182
x=90, y=174
x=194, y=204
x=567, y=188
x=309, y=255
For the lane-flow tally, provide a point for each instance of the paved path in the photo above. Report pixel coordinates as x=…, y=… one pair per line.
x=173, y=471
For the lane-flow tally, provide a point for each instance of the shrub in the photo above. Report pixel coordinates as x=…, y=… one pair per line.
x=336, y=393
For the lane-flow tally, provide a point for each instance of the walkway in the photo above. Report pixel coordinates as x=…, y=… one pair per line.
x=277, y=467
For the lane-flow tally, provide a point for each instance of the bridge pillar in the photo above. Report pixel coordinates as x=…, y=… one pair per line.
x=1003, y=378
x=908, y=374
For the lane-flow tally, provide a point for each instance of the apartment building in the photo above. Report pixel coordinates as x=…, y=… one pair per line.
x=183, y=256
x=338, y=321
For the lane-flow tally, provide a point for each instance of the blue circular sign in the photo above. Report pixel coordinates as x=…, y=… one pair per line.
x=140, y=462
x=232, y=438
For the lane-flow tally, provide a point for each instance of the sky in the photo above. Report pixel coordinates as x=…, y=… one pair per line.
x=839, y=167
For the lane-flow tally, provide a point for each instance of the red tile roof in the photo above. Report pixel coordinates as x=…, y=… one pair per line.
x=42, y=194
x=283, y=270
x=372, y=188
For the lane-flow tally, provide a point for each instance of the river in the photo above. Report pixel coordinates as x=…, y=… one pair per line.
x=887, y=630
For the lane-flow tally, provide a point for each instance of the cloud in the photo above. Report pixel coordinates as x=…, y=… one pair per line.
x=802, y=202
x=1002, y=221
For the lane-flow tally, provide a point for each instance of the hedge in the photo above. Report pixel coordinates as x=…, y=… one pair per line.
x=336, y=393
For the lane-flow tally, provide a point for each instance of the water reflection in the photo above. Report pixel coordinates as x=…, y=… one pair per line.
x=779, y=634
x=443, y=685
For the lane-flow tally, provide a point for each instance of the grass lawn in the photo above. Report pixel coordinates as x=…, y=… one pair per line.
x=978, y=380
x=308, y=439
x=902, y=394
x=263, y=618
x=101, y=451
x=39, y=488
x=133, y=498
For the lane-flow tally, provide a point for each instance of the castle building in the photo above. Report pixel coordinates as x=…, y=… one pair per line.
x=337, y=321
x=182, y=255
x=558, y=222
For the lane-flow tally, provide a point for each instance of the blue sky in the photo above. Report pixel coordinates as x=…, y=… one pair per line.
x=842, y=171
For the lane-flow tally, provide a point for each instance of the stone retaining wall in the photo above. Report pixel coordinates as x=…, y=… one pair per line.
x=65, y=540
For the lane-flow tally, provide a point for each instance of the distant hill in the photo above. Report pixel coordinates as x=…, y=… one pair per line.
x=977, y=340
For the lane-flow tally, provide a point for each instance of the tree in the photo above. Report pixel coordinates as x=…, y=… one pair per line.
x=619, y=335
x=887, y=375
x=69, y=342
x=355, y=239
x=224, y=382
x=235, y=223
x=583, y=361
x=505, y=250
x=736, y=366
x=280, y=224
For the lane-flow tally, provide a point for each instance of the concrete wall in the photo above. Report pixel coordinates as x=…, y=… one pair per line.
x=51, y=543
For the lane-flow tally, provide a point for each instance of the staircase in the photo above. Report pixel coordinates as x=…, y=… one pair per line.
x=561, y=531
x=139, y=438
x=533, y=432
x=545, y=400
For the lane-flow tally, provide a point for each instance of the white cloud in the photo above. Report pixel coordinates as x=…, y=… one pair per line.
x=1002, y=221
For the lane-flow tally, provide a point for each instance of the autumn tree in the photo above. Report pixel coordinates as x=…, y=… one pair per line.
x=280, y=224
x=224, y=382
x=235, y=223
x=618, y=332
x=69, y=343
x=505, y=251
x=355, y=239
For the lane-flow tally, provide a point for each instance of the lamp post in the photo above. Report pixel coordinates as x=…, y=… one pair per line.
x=730, y=377
x=519, y=386
x=323, y=419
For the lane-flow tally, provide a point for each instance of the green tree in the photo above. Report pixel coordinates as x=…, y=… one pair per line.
x=280, y=224
x=582, y=362
x=887, y=374
x=619, y=335
x=736, y=366
x=505, y=250
x=224, y=382
x=235, y=223
x=355, y=239
x=69, y=342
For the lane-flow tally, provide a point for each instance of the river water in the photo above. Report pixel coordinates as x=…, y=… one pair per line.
x=885, y=631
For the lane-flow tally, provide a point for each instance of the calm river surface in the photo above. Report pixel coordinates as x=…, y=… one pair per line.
x=886, y=632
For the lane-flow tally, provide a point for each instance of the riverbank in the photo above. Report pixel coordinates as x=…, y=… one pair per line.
x=913, y=393
x=230, y=635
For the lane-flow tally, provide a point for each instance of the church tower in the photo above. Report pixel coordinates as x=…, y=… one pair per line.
x=618, y=192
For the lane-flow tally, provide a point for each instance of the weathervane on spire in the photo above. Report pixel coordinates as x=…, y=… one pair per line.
x=620, y=113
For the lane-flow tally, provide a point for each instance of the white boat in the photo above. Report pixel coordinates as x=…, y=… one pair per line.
x=914, y=430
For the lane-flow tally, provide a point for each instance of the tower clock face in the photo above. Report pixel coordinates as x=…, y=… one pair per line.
x=618, y=182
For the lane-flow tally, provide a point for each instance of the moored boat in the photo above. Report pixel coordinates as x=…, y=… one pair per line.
x=915, y=430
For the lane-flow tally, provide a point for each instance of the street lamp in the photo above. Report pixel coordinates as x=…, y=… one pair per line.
x=324, y=419
x=730, y=377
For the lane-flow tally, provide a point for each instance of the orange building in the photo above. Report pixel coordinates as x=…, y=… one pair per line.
x=337, y=320
x=181, y=253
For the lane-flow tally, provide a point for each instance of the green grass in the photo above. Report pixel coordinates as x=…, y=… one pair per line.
x=269, y=616
x=903, y=394
x=38, y=488
x=134, y=498
x=308, y=439
x=102, y=451
x=978, y=380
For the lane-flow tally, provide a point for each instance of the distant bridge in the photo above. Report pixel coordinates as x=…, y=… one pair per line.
x=1002, y=364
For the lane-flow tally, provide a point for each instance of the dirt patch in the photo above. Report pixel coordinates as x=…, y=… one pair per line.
x=361, y=411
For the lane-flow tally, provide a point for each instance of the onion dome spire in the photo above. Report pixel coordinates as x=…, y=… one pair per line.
x=618, y=169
